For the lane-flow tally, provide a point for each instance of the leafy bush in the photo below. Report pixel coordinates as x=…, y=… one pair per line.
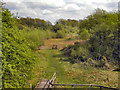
x=84, y=35
x=57, y=27
x=81, y=54
x=76, y=53
x=17, y=58
x=100, y=30
x=60, y=34
x=104, y=41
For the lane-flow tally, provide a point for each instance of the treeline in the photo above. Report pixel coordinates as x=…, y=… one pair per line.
x=40, y=23
x=61, y=27
x=36, y=23
x=100, y=34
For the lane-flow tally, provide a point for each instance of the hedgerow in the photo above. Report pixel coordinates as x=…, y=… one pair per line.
x=17, y=57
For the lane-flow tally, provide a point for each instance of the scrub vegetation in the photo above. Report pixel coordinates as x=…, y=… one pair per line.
x=80, y=52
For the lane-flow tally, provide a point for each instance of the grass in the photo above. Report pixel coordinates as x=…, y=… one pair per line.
x=46, y=66
x=93, y=76
x=61, y=42
x=36, y=36
x=89, y=75
x=67, y=73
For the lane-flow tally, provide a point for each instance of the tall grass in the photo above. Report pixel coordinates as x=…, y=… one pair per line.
x=36, y=37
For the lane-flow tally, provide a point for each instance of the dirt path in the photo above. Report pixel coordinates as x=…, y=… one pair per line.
x=60, y=42
x=51, y=59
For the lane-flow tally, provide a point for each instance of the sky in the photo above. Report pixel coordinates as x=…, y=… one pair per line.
x=52, y=10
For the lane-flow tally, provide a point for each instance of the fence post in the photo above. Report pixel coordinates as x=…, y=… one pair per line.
x=90, y=87
x=52, y=80
x=72, y=87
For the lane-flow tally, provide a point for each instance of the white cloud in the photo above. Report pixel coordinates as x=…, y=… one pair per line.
x=55, y=9
x=71, y=7
x=52, y=3
x=93, y=4
x=47, y=11
x=27, y=12
x=92, y=1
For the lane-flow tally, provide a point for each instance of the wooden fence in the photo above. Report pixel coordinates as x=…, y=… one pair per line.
x=90, y=85
x=50, y=84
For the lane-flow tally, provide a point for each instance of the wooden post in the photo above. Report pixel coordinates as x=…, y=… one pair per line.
x=90, y=87
x=72, y=87
x=100, y=88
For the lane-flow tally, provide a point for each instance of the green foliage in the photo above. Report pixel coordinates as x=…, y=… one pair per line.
x=80, y=55
x=36, y=37
x=76, y=53
x=84, y=35
x=17, y=58
x=37, y=23
x=57, y=27
x=106, y=41
x=6, y=17
x=60, y=34
x=69, y=26
x=69, y=22
x=96, y=18
x=101, y=32
x=71, y=30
